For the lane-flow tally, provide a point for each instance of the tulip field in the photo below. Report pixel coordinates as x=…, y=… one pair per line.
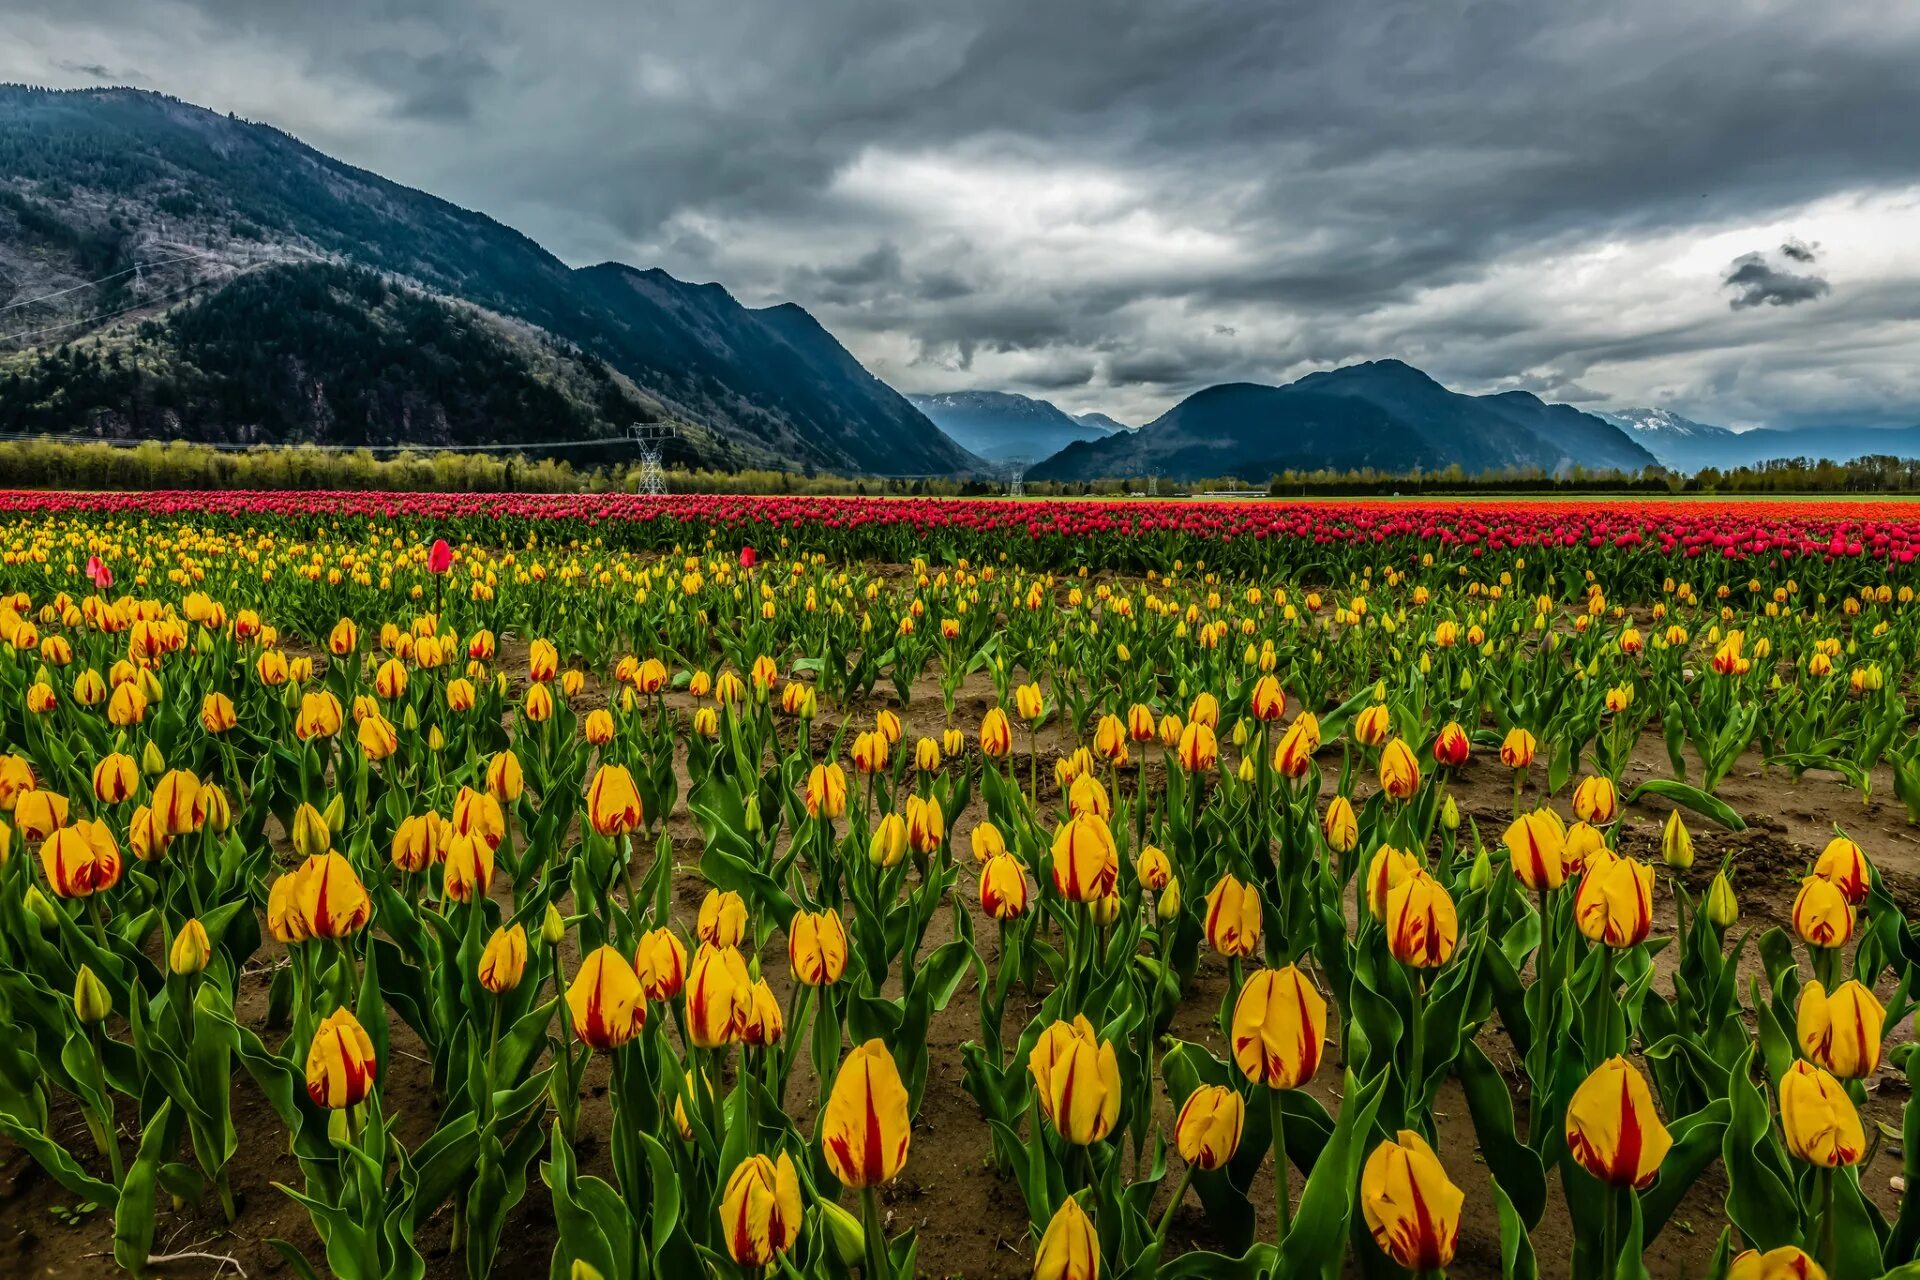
x=605, y=887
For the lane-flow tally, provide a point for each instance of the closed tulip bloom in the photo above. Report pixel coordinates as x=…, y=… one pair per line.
x=543, y=660
x=89, y=690
x=1154, y=868
x=869, y=753
x=953, y=742
x=926, y=755
x=92, y=1002
x=469, y=871
x=1003, y=887
x=888, y=843
x=613, y=802
x=865, y=1130
x=1821, y=915
x=217, y=714
x=1844, y=866
x=1517, y=748
x=176, y=803
x=1399, y=770
x=1340, y=825
x=1387, y=870
x=723, y=918
x=1676, y=843
x=1207, y=1130
x=719, y=997
x=477, y=813
x=661, y=963
x=115, y=778
x=38, y=814
x=1028, y=702
x=332, y=903
x=419, y=842
x=1279, y=1028
x=1110, y=739
x=505, y=778
x=1841, y=1032
x=826, y=791
x=148, y=842
x=1410, y=1205
x=1451, y=747
x=1722, y=908
x=344, y=637
x=986, y=841
x=1233, y=918
x=1140, y=723
x=1171, y=727
x=996, y=734
x=1204, y=709
x=1613, y=1129
x=1373, y=725
x=760, y=1210
x=1785, y=1263
x=1614, y=905
x=191, y=950
x=1596, y=800
x=763, y=1024
x=1199, y=749
x=605, y=1001
x=340, y=1062
x=817, y=947
x=1086, y=795
x=1085, y=863
x=1077, y=1079
x=78, y=863
x=504, y=960
x=926, y=824
x=1536, y=846
x=1293, y=754
x=538, y=705
x=1267, y=702
x=1585, y=843
x=377, y=737
x=460, y=695
x=284, y=920
x=1422, y=926
x=1817, y=1118
x=321, y=716
x=1070, y=1248
x=128, y=706
x=390, y=681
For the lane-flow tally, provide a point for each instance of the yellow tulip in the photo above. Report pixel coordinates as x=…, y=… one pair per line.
x=340, y=1062
x=613, y=801
x=1077, y=1078
x=1399, y=770
x=760, y=1210
x=1003, y=887
x=817, y=947
x=719, y=997
x=1536, y=846
x=826, y=791
x=865, y=1130
x=191, y=949
x=1817, y=1118
x=1614, y=905
x=1233, y=918
x=1844, y=866
x=1518, y=748
x=1596, y=800
x=1410, y=1205
x=1841, y=1032
x=1086, y=864
x=723, y=918
x=1821, y=915
x=605, y=1001
x=660, y=961
x=1784, y=1263
x=1070, y=1248
x=1422, y=925
x=1279, y=1028
x=332, y=902
x=1612, y=1127
x=504, y=960
x=1207, y=1130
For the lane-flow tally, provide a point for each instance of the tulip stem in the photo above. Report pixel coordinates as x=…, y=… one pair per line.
x=1166, y=1217
x=109, y=1127
x=1277, y=1122
x=875, y=1231
x=1828, y=1258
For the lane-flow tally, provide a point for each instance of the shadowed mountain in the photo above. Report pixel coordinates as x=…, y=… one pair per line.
x=1002, y=425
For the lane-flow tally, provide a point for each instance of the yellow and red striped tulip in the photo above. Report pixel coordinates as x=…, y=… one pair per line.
x=1399, y=770
x=1821, y=914
x=504, y=959
x=660, y=961
x=332, y=902
x=1207, y=1130
x=1841, y=1032
x=1077, y=1078
x=1818, y=1119
x=1612, y=1128
x=1536, y=846
x=865, y=1130
x=1614, y=904
x=340, y=1062
x=817, y=947
x=605, y=1001
x=1279, y=1028
x=613, y=802
x=1233, y=918
x=1422, y=925
x=1411, y=1207
x=719, y=997
x=723, y=918
x=760, y=1210
x=1070, y=1248
x=1003, y=887
x=1086, y=864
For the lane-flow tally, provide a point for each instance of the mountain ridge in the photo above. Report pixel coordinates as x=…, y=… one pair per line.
x=94, y=181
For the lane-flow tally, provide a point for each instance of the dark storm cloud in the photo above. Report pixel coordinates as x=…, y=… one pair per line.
x=1168, y=191
x=1756, y=282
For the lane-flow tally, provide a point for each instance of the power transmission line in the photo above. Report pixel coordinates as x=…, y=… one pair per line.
x=88, y=284
x=113, y=315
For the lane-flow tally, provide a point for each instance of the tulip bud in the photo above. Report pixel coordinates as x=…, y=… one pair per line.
x=504, y=960
x=1480, y=875
x=1207, y=1130
x=1169, y=905
x=553, y=926
x=335, y=813
x=1676, y=843
x=152, y=763
x=1785, y=1263
x=40, y=909
x=848, y=1236
x=1070, y=1249
x=1723, y=909
x=753, y=822
x=91, y=1003
x=191, y=949
x=583, y=1270
x=1450, y=815
x=1279, y=1028
x=1841, y=1032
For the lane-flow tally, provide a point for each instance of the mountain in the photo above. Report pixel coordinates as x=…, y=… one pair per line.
x=123, y=204
x=1100, y=421
x=1001, y=426
x=1686, y=445
x=1383, y=415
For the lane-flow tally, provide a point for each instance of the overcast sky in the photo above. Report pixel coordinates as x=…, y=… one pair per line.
x=1710, y=205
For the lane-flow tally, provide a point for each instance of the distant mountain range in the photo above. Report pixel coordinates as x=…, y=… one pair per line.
x=1002, y=426
x=120, y=209
x=1384, y=415
x=1685, y=445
